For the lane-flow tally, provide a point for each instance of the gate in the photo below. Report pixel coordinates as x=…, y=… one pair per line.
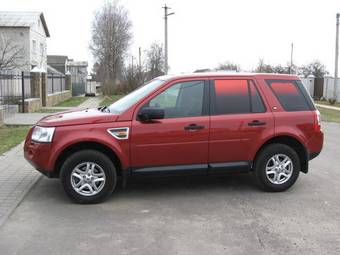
x=78, y=88
x=318, y=88
x=15, y=87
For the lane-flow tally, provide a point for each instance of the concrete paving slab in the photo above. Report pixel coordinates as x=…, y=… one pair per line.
x=24, y=118
x=16, y=178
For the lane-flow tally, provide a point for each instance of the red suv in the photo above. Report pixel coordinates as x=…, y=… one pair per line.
x=197, y=124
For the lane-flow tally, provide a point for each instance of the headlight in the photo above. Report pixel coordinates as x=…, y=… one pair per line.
x=43, y=134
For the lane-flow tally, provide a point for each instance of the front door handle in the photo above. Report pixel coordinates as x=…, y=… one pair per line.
x=256, y=123
x=193, y=127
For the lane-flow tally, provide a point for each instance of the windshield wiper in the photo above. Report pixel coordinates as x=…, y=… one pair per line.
x=104, y=109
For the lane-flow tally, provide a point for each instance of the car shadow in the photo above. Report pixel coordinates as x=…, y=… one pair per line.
x=158, y=188
x=173, y=186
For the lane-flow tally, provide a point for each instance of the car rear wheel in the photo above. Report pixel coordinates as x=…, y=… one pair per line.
x=88, y=176
x=277, y=167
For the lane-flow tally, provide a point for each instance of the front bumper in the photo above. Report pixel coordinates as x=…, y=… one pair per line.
x=38, y=155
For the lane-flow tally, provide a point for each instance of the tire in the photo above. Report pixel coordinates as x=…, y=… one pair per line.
x=88, y=176
x=277, y=178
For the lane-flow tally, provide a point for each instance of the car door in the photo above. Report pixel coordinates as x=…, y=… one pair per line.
x=240, y=122
x=179, y=142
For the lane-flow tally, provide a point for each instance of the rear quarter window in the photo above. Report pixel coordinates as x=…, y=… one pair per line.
x=291, y=95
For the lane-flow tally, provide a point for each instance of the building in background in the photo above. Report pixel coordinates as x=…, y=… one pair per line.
x=58, y=62
x=78, y=72
x=23, y=40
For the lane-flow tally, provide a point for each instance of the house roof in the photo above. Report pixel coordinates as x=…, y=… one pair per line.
x=51, y=70
x=57, y=59
x=22, y=19
x=77, y=63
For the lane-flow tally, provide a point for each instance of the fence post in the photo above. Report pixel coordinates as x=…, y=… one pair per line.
x=52, y=84
x=23, y=91
x=68, y=82
x=44, y=89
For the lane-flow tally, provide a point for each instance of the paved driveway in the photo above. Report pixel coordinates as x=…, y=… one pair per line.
x=226, y=215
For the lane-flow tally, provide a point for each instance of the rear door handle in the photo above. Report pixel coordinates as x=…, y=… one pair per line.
x=256, y=123
x=192, y=127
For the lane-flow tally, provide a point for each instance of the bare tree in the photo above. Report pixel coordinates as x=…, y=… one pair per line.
x=154, y=61
x=315, y=68
x=111, y=36
x=262, y=67
x=42, y=55
x=11, y=54
x=228, y=66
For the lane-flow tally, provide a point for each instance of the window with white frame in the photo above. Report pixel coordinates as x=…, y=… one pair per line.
x=42, y=50
x=34, y=46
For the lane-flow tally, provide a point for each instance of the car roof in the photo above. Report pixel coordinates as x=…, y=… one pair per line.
x=228, y=75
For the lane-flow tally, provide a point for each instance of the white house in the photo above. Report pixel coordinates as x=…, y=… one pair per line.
x=23, y=35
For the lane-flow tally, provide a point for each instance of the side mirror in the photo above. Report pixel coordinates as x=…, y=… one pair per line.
x=146, y=114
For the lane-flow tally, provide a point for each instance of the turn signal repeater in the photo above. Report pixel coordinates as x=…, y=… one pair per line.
x=121, y=133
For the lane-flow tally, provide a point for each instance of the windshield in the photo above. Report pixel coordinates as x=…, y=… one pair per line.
x=126, y=102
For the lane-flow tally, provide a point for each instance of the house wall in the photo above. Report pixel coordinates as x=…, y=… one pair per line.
x=78, y=73
x=20, y=37
x=38, y=57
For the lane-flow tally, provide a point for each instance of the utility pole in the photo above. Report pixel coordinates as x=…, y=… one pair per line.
x=132, y=64
x=140, y=58
x=166, y=14
x=336, y=57
x=291, y=58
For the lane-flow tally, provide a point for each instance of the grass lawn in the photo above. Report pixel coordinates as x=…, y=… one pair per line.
x=11, y=136
x=107, y=100
x=337, y=104
x=72, y=102
x=329, y=115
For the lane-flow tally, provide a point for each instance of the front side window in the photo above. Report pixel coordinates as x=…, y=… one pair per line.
x=183, y=99
x=290, y=95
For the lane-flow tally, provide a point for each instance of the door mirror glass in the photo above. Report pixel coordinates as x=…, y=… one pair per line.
x=148, y=113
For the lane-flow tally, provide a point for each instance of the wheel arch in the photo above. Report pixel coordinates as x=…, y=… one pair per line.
x=292, y=142
x=69, y=150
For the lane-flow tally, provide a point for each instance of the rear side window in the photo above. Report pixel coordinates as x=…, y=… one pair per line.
x=235, y=96
x=291, y=95
x=255, y=98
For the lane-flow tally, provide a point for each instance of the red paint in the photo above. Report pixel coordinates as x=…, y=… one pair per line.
x=225, y=138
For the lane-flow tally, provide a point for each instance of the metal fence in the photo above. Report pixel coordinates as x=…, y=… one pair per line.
x=55, y=83
x=321, y=87
x=15, y=87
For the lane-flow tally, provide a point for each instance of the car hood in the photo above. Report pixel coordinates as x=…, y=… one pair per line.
x=78, y=117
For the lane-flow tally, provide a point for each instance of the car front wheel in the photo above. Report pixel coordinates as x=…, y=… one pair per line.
x=88, y=176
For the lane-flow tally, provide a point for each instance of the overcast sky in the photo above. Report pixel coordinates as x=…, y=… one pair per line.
x=202, y=34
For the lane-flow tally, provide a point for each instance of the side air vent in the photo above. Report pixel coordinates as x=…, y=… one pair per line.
x=121, y=133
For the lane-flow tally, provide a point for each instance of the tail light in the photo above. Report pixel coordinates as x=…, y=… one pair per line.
x=317, y=121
